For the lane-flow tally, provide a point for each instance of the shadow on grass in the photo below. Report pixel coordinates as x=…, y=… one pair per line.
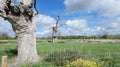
x=11, y=52
x=56, y=42
x=61, y=42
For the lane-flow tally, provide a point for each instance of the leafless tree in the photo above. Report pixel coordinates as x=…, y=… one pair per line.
x=21, y=18
x=55, y=30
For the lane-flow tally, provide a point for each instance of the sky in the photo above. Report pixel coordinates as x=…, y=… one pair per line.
x=81, y=17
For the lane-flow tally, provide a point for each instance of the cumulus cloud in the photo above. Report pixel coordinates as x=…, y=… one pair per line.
x=80, y=5
x=44, y=33
x=77, y=24
x=80, y=27
x=113, y=27
x=44, y=19
x=110, y=8
x=107, y=8
x=86, y=31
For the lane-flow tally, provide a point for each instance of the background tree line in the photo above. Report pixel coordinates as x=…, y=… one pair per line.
x=105, y=36
x=5, y=36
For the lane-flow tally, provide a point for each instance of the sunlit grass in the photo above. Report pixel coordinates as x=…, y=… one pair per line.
x=96, y=49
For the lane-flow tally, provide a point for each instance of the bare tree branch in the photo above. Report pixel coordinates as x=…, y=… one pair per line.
x=35, y=7
x=57, y=21
x=61, y=25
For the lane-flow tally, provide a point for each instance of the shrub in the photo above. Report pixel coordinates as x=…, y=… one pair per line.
x=59, y=58
x=83, y=63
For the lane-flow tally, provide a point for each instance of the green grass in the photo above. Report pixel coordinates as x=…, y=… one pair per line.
x=86, y=47
x=96, y=49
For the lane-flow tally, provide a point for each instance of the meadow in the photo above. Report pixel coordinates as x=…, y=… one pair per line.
x=92, y=49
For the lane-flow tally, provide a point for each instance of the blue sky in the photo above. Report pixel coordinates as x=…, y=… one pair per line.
x=90, y=17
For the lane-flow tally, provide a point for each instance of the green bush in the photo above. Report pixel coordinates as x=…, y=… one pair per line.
x=59, y=58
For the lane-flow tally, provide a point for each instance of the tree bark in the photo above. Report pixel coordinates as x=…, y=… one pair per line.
x=26, y=38
x=21, y=18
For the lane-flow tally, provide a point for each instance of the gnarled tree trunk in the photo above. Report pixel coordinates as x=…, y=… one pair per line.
x=26, y=38
x=21, y=18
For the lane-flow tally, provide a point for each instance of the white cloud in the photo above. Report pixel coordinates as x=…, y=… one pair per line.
x=114, y=25
x=107, y=8
x=44, y=33
x=118, y=19
x=80, y=5
x=86, y=31
x=113, y=28
x=110, y=8
x=80, y=27
x=96, y=29
x=77, y=24
x=44, y=19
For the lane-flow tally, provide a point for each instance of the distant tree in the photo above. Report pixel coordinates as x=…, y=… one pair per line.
x=104, y=36
x=55, y=30
x=4, y=36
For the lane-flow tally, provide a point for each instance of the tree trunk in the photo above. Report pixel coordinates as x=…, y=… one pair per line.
x=55, y=30
x=27, y=43
x=21, y=18
x=54, y=39
x=27, y=48
x=26, y=39
x=54, y=34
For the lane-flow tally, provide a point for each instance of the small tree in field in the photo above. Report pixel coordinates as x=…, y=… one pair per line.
x=21, y=18
x=55, y=30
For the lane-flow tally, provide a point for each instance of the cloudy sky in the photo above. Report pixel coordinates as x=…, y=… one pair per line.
x=81, y=17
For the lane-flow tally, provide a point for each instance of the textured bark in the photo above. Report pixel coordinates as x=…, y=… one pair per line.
x=21, y=18
x=26, y=38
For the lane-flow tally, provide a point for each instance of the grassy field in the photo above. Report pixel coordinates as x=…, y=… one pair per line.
x=94, y=49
